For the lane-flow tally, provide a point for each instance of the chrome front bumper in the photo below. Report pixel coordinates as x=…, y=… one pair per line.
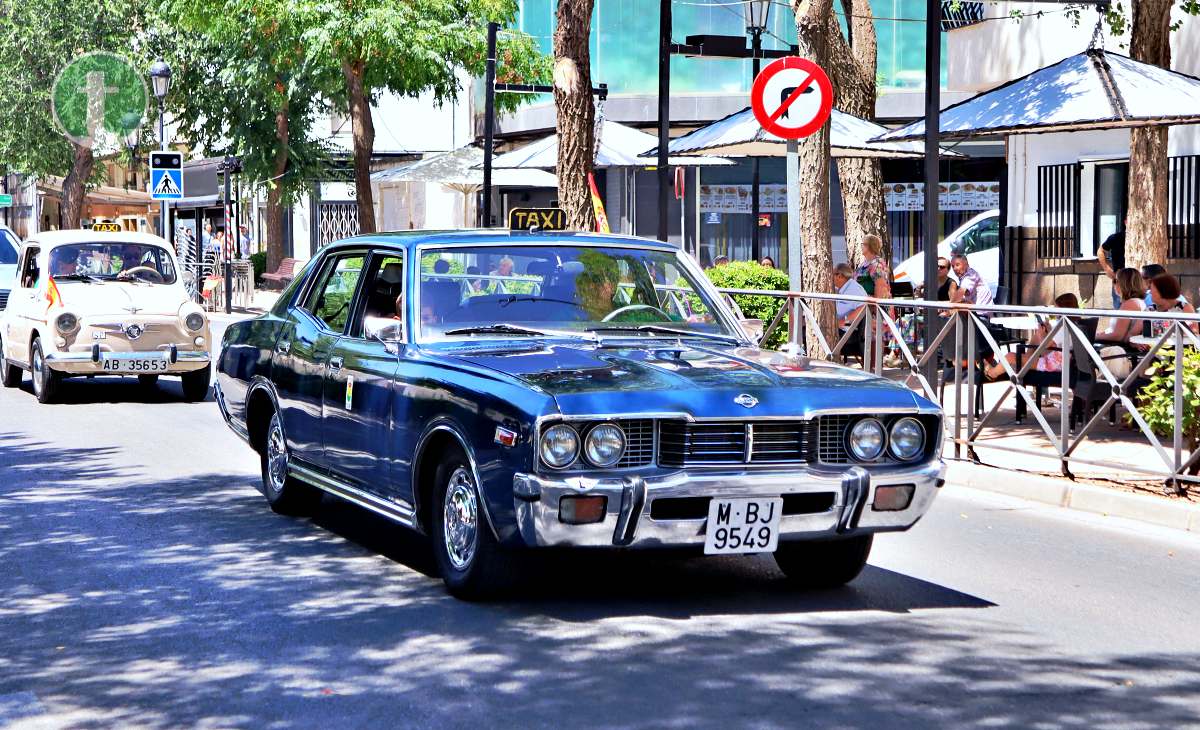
x=628, y=521
x=90, y=362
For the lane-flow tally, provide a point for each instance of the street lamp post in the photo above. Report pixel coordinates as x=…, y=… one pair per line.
x=160, y=80
x=757, y=13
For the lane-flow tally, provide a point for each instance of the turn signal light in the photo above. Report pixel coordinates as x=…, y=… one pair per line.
x=894, y=498
x=582, y=510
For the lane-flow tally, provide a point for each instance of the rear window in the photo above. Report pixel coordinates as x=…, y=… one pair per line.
x=8, y=248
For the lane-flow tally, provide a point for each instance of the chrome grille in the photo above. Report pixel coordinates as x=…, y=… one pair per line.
x=788, y=441
x=4, y=299
x=639, y=443
x=831, y=448
x=681, y=443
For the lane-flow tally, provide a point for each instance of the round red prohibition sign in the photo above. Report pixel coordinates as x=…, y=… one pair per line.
x=791, y=97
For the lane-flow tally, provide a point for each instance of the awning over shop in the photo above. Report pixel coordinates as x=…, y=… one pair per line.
x=620, y=146
x=102, y=194
x=460, y=170
x=740, y=135
x=1095, y=89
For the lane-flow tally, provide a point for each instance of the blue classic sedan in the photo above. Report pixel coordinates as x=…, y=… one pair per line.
x=501, y=391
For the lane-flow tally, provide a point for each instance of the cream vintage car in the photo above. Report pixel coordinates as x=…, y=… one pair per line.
x=93, y=302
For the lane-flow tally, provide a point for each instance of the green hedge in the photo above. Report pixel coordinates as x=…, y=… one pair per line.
x=753, y=275
x=259, y=262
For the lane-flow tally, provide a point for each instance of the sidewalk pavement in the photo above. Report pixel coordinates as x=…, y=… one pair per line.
x=1177, y=513
x=262, y=301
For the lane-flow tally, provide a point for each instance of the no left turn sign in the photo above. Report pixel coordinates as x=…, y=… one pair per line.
x=791, y=97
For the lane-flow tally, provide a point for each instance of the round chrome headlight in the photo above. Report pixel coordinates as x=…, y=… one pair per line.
x=907, y=439
x=604, y=445
x=560, y=445
x=66, y=322
x=194, y=321
x=867, y=439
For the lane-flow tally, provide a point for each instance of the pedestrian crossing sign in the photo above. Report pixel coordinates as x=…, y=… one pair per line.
x=166, y=175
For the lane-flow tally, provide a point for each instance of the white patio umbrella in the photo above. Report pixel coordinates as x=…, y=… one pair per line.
x=620, y=146
x=459, y=171
x=1094, y=89
x=740, y=135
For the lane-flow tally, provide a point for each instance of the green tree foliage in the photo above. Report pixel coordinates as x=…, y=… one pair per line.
x=363, y=48
x=37, y=39
x=242, y=84
x=1157, y=400
x=753, y=275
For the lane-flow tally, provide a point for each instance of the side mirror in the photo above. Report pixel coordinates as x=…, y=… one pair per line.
x=383, y=329
x=753, y=328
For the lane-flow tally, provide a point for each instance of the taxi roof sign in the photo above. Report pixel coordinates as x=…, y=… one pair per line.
x=107, y=227
x=537, y=219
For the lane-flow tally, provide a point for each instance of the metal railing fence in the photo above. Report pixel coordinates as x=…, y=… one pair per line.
x=886, y=325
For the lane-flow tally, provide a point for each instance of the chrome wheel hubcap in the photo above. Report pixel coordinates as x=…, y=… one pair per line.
x=37, y=370
x=460, y=523
x=277, y=457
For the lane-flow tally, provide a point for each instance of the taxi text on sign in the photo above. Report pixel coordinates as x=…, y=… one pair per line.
x=544, y=219
x=792, y=97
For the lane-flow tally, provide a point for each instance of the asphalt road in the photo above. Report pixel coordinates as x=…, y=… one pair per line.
x=144, y=583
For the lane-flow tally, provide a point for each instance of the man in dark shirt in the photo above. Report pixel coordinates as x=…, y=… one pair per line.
x=1112, y=260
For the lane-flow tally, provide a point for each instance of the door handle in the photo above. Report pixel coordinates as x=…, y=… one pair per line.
x=335, y=363
x=283, y=347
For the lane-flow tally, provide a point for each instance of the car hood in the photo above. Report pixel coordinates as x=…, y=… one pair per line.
x=700, y=380
x=113, y=297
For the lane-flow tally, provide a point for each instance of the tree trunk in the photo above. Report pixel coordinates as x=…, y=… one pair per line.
x=853, y=69
x=1146, y=227
x=576, y=113
x=814, y=246
x=275, y=223
x=364, y=143
x=74, y=184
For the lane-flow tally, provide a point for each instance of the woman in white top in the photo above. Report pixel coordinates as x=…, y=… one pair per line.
x=1132, y=289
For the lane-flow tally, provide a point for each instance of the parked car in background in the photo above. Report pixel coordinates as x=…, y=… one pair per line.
x=507, y=391
x=10, y=247
x=978, y=238
x=101, y=303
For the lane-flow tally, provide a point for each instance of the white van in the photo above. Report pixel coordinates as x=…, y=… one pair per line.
x=978, y=238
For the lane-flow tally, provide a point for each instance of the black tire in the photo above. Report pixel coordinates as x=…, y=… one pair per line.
x=474, y=566
x=286, y=494
x=147, y=381
x=10, y=375
x=823, y=563
x=45, y=380
x=195, y=384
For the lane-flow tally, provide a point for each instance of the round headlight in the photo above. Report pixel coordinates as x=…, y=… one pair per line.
x=560, y=444
x=194, y=321
x=604, y=445
x=907, y=439
x=867, y=439
x=66, y=322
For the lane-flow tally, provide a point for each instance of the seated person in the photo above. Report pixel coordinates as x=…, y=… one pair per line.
x=845, y=283
x=1166, y=296
x=1130, y=288
x=473, y=287
x=64, y=261
x=1051, y=360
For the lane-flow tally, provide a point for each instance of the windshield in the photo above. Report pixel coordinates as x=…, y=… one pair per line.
x=8, y=248
x=560, y=289
x=112, y=261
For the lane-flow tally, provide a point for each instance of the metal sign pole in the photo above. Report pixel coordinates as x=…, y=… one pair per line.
x=489, y=123
x=929, y=243
x=795, y=251
x=664, y=115
x=226, y=248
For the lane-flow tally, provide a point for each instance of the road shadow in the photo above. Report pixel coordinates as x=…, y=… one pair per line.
x=187, y=602
x=114, y=389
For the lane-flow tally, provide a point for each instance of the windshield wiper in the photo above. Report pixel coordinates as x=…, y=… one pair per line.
x=79, y=277
x=496, y=329
x=659, y=329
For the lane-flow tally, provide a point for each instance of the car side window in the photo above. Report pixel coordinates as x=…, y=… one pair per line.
x=382, y=302
x=330, y=300
x=30, y=275
x=982, y=237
